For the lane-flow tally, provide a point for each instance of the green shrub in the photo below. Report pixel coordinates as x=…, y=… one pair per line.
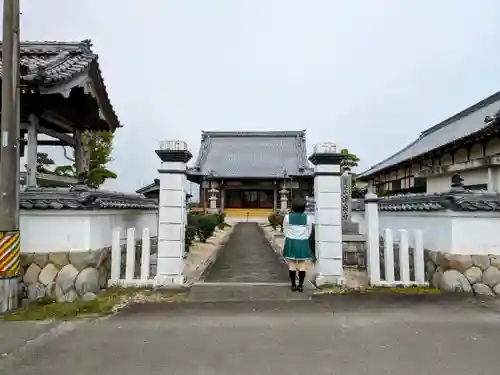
x=275, y=220
x=223, y=225
x=206, y=226
x=221, y=216
x=191, y=231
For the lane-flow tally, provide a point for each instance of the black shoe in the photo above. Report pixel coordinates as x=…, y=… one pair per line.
x=300, y=288
x=294, y=288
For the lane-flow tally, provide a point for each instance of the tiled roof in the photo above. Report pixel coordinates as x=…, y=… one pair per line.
x=154, y=186
x=74, y=198
x=455, y=201
x=60, y=66
x=271, y=154
x=459, y=126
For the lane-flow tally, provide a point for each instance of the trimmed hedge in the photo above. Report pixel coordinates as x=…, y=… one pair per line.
x=276, y=220
x=202, y=226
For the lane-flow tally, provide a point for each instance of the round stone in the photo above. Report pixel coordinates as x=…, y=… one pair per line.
x=48, y=274
x=70, y=296
x=491, y=276
x=89, y=296
x=59, y=259
x=53, y=290
x=430, y=267
x=474, y=274
x=87, y=281
x=41, y=259
x=495, y=261
x=35, y=291
x=454, y=281
x=66, y=277
x=483, y=290
x=433, y=256
x=496, y=289
x=481, y=261
x=457, y=262
x=31, y=275
x=436, y=278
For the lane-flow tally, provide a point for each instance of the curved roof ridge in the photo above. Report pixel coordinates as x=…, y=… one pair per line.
x=257, y=133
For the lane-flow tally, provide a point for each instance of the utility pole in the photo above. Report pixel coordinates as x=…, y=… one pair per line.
x=9, y=158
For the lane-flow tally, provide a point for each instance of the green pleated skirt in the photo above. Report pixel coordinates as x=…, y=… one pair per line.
x=296, y=249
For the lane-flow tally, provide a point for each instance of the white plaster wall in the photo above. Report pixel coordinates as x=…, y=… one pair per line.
x=475, y=177
x=103, y=222
x=476, y=234
x=45, y=231
x=441, y=184
x=452, y=232
x=495, y=179
x=438, y=184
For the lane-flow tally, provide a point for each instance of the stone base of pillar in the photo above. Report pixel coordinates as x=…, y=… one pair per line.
x=330, y=280
x=169, y=280
x=213, y=210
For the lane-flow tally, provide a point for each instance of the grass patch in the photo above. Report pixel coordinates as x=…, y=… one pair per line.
x=106, y=303
x=402, y=290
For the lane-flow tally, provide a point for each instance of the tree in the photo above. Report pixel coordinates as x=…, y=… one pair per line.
x=42, y=161
x=349, y=160
x=97, y=149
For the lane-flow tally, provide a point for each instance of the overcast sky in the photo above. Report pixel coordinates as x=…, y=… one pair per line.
x=367, y=74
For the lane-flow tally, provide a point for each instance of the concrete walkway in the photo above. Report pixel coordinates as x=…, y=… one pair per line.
x=323, y=337
x=247, y=257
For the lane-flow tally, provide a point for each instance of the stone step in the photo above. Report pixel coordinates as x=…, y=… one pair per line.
x=238, y=292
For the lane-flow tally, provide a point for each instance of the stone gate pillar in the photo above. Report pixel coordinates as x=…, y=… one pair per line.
x=172, y=211
x=328, y=213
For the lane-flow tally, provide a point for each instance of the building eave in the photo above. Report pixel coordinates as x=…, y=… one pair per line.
x=468, y=130
x=491, y=127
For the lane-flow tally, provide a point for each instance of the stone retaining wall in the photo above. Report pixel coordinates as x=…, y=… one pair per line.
x=479, y=274
x=66, y=276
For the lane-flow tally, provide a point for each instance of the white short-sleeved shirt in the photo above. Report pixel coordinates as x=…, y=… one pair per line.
x=298, y=232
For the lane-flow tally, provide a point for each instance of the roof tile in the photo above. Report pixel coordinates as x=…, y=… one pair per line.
x=464, y=200
x=461, y=125
x=52, y=63
x=74, y=198
x=252, y=154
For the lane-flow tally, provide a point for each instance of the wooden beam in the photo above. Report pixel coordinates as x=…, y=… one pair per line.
x=52, y=142
x=32, y=155
x=59, y=121
x=61, y=136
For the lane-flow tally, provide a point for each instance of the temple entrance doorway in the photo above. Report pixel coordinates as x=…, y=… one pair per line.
x=249, y=199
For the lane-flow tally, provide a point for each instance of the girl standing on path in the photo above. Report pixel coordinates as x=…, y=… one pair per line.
x=297, y=227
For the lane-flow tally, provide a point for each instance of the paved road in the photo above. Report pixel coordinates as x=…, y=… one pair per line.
x=248, y=257
x=297, y=337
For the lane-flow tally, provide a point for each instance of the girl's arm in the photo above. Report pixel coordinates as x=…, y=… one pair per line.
x=310, y=224
x=285, y=224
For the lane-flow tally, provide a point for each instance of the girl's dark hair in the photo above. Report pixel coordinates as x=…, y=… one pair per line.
x=298, y=205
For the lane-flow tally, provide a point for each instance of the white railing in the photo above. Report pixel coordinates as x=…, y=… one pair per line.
x=410, y=273
x=130, y=279
x=405, y=253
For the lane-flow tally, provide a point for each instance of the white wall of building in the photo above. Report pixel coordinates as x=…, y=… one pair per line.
x=44, y=231
x=451, y=232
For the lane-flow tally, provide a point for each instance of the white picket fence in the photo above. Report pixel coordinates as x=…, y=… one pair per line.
x=403, y=240
x=130, y=279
